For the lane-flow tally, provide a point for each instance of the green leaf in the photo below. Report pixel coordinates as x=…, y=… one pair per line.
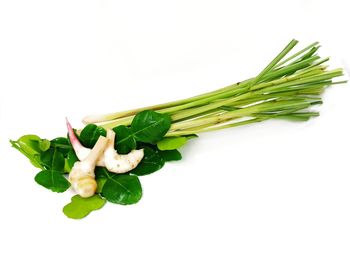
x=62, y=144
x=171, y=143
x=191, y=136
x=44, y=145
x=35, y=161
x=171, y=155
x=66, y=168
x=150, y=126
x=90, y=134
x=151, y=162
x=102, y=172
x=101, y=176
x=80, y=207
x=122, y=189
x=53, y=159
x=53, y=180
x=71, y=158
x=125, y=141
x=30, y=144
x=100, y=183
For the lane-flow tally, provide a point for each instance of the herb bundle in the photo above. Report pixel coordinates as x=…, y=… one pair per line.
x=285, y=89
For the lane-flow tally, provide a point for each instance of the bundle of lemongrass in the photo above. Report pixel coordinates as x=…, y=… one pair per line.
x=286, y=88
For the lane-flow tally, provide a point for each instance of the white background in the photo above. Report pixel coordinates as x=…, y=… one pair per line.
x=271, y=192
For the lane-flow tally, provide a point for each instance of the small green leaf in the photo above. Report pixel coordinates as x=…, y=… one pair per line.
x=100, y=183
x=171, y=155
x=53, y=180
x=53, y=159
x=125, y=141
x=101, y=176
x=66, y=168
x=150, y=126
x=90, y=134
x=30, y=144
x=80, y=207
x=44, y=145
x=122, y=189
x=71, y=158
x=171, y=143
x=151, y=162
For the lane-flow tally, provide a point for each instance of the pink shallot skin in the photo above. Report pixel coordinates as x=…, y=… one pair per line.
x=81, y=151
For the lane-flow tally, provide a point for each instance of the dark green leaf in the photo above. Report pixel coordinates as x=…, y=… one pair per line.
x=80, y=207
x=102, y=172
x=149, y=126
x=151, y=162
x=53, y=180
x=62, y=144
x=171, y=143
x=171, y=155
x=53, y=159
x=122, y=189
x=125, y=141
x=90, y=134
x=71, y=158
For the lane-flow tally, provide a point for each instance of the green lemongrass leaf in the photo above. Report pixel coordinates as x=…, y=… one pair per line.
x=297, y=54
x=287, y=71
x=80, y=207
x=90, y=134
x=150, y=163
x=171, y=155
x=149, y=126
x=171, y=143
x=274, y=62
x=125, y=141
x=298, y=116
x=53, y=180
x=53, y=159
x=122, y=189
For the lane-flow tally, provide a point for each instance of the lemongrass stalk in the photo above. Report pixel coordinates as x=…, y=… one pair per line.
x=239, y=113
x=277, y=59
x=296, y=54
x=112, y=116
x=214, y=128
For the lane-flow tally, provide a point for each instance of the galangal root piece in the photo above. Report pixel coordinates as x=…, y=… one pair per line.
x=82, y=175
x=120, y=163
